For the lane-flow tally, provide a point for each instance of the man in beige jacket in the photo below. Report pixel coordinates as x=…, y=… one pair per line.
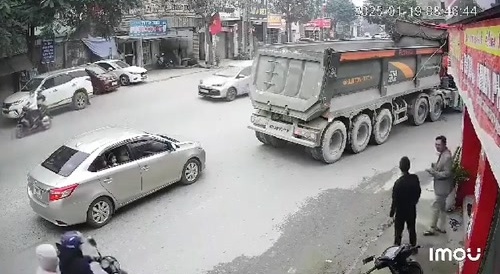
x=442, y=172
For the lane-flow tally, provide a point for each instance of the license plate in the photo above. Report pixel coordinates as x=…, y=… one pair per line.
x=114, y=83
x=279, y=127
x=202, y=90
x=37, y=192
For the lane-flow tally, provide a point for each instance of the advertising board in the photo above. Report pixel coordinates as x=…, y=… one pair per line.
x=475, y=65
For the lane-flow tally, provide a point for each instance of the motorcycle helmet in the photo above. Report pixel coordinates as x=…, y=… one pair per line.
x=72, y=239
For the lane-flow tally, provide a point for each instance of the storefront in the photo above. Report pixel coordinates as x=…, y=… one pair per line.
x=148, y=38
x=474, y=52
x=319, y=29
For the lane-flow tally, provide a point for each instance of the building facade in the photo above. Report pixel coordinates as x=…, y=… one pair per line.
x=474, y=62
x=158, y=27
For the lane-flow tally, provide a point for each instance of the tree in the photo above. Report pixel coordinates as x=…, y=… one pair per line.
x=21, y=17
x=206, y=9
x=386, y=12
x=342, y=11
x=293, y=10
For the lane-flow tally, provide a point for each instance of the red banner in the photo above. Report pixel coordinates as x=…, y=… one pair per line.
x=324, y=23
x=475, y=60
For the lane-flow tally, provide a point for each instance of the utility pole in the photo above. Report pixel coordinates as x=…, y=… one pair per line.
x=321, y=25
x=265, y=28
x=244, y=28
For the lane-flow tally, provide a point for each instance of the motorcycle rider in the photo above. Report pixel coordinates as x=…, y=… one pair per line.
x=47, y=259
x=71, y=258
x=38, y=112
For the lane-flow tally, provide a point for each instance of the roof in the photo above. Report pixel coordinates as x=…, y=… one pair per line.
x=108, y=60
x=242, y=64
x=339, y=46
x=91, y=141
x=59, y=71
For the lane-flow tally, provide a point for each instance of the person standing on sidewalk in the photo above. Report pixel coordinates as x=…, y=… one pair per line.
x=442, y=172
x=405, y=196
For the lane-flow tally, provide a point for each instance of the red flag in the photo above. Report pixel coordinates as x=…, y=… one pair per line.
x=216, y=26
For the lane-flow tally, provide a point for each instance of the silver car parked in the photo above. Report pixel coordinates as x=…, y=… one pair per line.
x=93, y=175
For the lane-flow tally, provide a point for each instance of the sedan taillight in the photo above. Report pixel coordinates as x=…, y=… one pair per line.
x=61, y=192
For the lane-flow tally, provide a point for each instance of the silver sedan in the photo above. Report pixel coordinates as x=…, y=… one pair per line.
x=93, y=175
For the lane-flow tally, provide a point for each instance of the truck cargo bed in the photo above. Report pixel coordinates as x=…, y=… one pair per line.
x=303, y=80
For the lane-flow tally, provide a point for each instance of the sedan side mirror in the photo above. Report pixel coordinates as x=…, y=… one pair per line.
x=110, y=69
x=92, y=241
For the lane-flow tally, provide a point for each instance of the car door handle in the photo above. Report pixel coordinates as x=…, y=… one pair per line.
x=108, y=180
x=145, y=168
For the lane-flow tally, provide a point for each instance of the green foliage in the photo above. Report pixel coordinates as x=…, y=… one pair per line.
x=294, y=10
x=207, y=8
x=386, y=12
x=21, y=16
x=342, y=11
x=459, y=173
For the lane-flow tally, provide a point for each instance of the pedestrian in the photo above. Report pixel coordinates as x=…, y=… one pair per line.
x=47, y=259
x=442, y=172
x=405, y=196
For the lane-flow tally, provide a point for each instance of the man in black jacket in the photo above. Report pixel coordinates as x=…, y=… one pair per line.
x=405, y=196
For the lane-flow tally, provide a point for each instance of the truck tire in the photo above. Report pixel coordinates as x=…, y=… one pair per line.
x=276, y=142
x=437, y=109
x=419, y=111
x=361, y=132
x=333, y=143
x=315, y=153
x=261, y=137
x=382, y=127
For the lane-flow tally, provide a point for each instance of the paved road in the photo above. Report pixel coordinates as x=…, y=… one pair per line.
x=255, y=210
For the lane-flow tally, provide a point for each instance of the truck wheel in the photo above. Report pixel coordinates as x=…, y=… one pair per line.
x=360, y=133
x=419, y=111
x=437, y=109
x=261, y=137
x=315, y=153
x=382, y=127
x=333, y=143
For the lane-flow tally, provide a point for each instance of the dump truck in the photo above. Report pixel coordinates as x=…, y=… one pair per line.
x=344, y=95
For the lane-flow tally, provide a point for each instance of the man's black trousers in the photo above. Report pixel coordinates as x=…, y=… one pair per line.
x=399, y=225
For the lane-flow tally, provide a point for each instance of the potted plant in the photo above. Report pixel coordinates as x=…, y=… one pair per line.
x=460, y=175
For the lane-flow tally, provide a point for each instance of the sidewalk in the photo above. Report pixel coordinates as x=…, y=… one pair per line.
x=452, y=239
x=158, y=75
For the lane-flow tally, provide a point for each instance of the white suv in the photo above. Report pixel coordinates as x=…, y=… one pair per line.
x=68, y=87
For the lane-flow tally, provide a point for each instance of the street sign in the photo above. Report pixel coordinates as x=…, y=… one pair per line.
x=48, y=52
x=145, y=28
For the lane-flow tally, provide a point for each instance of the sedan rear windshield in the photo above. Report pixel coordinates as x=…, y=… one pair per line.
x=64, y=161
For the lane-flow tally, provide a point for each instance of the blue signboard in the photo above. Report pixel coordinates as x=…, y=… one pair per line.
x=48, y=52
x=147, y=28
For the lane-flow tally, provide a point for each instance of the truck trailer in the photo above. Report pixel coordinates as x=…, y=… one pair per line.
x=343, y=95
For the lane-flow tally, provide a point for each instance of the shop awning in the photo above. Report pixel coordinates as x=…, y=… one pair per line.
x=102, y=47
x=14, y=64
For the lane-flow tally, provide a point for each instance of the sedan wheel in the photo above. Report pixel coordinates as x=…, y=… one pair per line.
x=99, y=212
x=191, y=172
x=124, y=80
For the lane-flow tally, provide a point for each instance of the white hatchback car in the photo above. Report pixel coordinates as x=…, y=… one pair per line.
x=228, y=83
x=67, y=87
x=128, y=74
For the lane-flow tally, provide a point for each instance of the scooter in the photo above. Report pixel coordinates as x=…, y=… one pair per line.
x=41, y=121
x=108, y=263
x=162, y=63
x=397, y=259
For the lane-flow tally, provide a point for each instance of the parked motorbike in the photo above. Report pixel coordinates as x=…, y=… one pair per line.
x=161, y=62
x=397, y=260
x=108, y=263
x=40, y=121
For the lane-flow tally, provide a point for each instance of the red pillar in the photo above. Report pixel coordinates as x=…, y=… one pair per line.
x=471, y=150
x=486, y=194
